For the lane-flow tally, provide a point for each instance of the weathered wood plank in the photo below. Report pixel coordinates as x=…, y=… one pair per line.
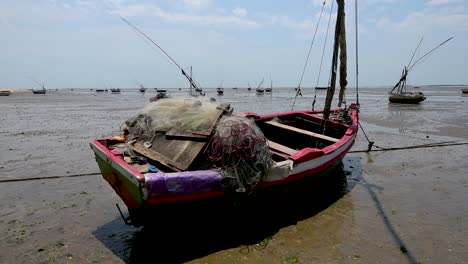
x=295, y=129
x=175, y=154
x=281, y=148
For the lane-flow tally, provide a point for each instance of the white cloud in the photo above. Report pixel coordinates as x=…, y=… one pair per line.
x=239, y=12
x=174, y=17
x=83, y=5
x=196, y=4
x=441, y=2
x=430, y=21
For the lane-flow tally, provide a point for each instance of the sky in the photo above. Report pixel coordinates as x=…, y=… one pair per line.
x=85, y=43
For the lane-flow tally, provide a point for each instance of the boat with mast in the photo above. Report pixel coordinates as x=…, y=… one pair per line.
x=399, y=93
x=220, y=89
x=188, y=151
x=39, y=91
x=142, y=88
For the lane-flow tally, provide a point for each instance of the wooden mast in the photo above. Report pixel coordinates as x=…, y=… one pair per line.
x=331, y=89
x=343, y=59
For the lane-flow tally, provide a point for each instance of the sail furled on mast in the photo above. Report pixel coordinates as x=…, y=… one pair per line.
x=340, y=35
x=343, y=59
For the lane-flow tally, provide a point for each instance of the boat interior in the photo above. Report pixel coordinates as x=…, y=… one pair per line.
x=288, y=134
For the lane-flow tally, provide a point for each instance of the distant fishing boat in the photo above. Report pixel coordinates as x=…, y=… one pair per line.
x=321, y=88
x=100, y=90
x=399, y=93
x=464, y=90
x=142, y=89
x=115, y=90
x=5, y=92
x=259, y=90
x=161, y=94
x=39, y=91
x=220, y=89
x=269, y=89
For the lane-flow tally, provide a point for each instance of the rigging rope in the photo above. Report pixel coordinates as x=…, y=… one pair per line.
x=308, y=56
x=357, y=54
x=323, y=53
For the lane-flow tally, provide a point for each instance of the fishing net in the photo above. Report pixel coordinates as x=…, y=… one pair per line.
x=240, y=150
x=163, y=115
x=237, y=148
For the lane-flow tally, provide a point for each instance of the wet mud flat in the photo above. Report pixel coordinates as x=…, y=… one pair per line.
x=400, y=206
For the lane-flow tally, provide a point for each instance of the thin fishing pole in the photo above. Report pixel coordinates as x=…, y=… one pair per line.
x=41, y=84
x=429, y=53
x=414, y=52
x=192, y=82
x=146, y=36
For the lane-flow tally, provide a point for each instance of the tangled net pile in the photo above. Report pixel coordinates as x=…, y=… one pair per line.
x=163, y=115
x=240, y=150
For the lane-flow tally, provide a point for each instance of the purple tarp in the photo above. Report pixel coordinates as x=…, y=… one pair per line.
x=182, y=182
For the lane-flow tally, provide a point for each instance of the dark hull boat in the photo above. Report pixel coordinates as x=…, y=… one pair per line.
x=407, y=98
x=115, y=90
x=464, y=90
x=5, y=92
x=399, y=93
x=321, y=88
x=42, y=91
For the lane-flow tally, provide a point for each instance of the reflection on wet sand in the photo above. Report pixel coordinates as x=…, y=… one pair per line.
x=186, y=234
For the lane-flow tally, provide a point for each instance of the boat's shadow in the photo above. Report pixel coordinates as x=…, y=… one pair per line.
x=186, y=236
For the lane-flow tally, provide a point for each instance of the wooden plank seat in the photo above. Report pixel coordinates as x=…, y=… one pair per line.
x=281, y=148
x=295, y=129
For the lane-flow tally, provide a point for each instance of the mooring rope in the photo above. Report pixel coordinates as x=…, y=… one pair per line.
x=429, y=145
x=49, y=177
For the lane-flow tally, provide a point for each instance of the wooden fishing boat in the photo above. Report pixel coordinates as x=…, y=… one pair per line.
x=300, y=150
x=399, y=93
x=5, y=92
x=321, y=88
x=100, y=90
x=160, y=95
x=115, y=90
x=464, y=90
x=142, y=89
x=407, y=98
x=40, y=91
x=220, y=90
x=190, y=151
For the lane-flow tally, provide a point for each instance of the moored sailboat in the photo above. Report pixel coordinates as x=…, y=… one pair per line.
x=399, y=93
